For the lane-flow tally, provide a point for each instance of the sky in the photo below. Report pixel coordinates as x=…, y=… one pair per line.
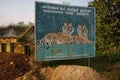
x=14, y=11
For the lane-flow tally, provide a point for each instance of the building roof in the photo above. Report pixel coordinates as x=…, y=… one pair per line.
x=10, y=33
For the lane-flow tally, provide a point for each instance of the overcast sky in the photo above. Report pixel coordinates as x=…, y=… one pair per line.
x=13, y=11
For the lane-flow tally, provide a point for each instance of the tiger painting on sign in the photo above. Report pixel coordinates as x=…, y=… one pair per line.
x=82, y=31
x=66, y=36
x=67, y=28
x=60, y=37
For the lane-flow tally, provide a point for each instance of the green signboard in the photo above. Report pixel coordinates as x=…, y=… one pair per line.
x=64, y=32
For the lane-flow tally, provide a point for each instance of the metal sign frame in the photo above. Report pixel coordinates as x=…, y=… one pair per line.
x=64, y=31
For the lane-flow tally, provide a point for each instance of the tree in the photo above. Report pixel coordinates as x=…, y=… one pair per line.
x=21, y=23
x=107, y=24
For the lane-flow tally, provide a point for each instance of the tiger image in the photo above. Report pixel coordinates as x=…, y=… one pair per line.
x=82, y=31
x=66, y=35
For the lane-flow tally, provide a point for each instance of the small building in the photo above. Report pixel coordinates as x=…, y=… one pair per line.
x=9, y=43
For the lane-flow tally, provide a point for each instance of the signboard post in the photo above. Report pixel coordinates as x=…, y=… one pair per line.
x=64, y=32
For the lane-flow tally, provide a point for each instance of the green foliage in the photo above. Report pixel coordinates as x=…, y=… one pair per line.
x=23, y=39
x=107, y=25
x=107, y=37
x=18, y=28
x=109, y=69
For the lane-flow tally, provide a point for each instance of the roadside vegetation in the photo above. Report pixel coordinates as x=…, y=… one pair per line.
x=107, y=60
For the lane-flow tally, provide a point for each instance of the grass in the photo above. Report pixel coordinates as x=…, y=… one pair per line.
x=109, y=69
